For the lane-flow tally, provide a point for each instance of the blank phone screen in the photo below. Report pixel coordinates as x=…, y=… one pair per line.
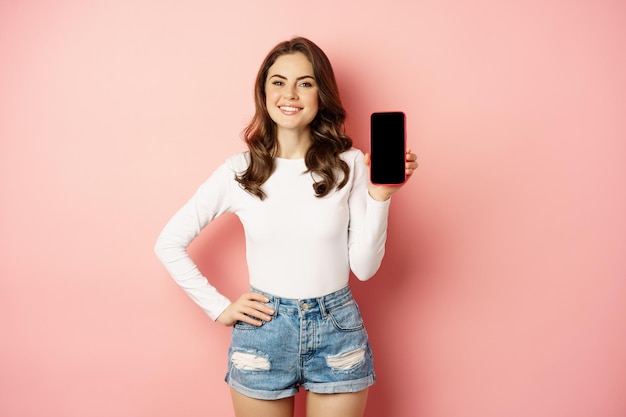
x=387, y=148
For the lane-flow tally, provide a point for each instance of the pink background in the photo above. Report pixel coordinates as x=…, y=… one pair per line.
x=503, y=290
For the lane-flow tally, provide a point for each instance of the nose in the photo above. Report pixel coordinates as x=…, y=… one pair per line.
x=290, y=93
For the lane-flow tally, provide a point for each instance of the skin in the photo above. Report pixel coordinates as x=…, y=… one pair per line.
x=292, y=101
x=317, y=405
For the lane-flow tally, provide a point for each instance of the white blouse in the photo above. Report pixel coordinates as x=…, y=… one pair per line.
x=297, y=245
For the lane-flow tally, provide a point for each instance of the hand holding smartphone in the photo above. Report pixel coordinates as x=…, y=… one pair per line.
x=388, y=148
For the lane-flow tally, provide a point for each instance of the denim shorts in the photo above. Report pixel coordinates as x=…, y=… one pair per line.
x=319, y=344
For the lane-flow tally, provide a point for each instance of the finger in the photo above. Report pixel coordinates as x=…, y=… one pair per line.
x=366, y=159
x=256, y=303
x=255, y=296
x=260, y=312
x=410, y=168
x=253, y=316
x=250, y=320
x=247, y=315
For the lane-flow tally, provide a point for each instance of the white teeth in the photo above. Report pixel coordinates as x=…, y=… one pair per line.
x=287, y=108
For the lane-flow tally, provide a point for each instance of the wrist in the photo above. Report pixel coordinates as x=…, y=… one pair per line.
x=379, y=195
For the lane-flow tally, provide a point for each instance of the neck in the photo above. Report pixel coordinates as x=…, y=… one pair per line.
x=293, y=145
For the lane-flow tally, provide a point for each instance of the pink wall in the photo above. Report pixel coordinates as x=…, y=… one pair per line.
x=503, y=290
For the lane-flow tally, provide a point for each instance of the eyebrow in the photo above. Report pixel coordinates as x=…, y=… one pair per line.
x=297, y=79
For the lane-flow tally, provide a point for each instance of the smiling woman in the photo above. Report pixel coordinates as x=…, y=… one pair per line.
x=310, y=217
x=292, y=103
x=324, y=138
x=504, y=270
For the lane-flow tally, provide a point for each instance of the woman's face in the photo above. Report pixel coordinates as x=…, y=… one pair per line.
x=291, y=93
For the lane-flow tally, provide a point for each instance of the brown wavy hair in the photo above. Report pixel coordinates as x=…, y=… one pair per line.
x=328, y=135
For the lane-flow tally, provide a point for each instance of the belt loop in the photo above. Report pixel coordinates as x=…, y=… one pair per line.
x=322, y=307
x=276, y=303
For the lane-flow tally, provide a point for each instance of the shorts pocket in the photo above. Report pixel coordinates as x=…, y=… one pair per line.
x=242, y=325
x=346, y=317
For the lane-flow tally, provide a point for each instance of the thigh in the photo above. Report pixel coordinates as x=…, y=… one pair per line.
x=263, y=361
x=251, y=407
x=343, y=360
x=350, y=404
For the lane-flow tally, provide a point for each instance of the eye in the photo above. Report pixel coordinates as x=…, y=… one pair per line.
x=277, y=83
x=306, y=84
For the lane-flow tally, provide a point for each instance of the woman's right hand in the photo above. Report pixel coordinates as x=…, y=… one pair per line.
x=248, y=309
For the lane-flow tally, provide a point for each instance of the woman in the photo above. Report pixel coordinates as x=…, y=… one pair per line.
x=310, y=216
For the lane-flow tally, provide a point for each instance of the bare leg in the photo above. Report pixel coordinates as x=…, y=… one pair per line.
x=336, y=405
x=251, y=407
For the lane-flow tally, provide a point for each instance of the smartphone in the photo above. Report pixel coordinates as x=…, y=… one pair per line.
x=387, y=148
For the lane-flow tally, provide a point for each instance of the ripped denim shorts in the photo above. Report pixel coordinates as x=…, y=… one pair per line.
x=319, y=344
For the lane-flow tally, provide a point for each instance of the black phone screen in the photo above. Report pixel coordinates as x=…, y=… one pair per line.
x=387, y=148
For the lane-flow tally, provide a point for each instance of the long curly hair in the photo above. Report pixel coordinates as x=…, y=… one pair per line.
x=328, y=135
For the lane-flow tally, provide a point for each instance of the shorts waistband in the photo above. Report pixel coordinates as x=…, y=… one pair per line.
x=308, y=305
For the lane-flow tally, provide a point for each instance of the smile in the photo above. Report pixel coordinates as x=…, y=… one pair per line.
x=289, y=109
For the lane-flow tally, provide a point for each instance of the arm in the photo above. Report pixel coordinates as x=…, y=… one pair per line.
x=369, y=209
x=384, y=192
x=367, y=231
x=210, y=201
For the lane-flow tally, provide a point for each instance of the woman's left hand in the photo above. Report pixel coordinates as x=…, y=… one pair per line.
x=383, y=192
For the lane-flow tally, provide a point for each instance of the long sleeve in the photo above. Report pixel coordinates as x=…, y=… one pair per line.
x=210, y=201
x=367, y=232
x=297, y=245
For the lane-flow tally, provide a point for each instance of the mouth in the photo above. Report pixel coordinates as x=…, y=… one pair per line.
x=289, y=109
